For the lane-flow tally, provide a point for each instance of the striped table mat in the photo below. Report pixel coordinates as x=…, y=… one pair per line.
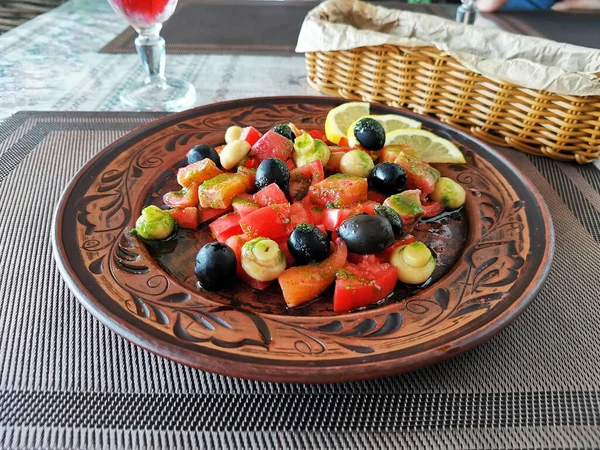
x=68, y=382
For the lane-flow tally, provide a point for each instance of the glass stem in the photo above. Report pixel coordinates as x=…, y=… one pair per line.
x=150, y=45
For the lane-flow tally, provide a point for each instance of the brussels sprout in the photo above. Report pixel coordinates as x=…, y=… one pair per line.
x=154, y=223
x=307, y=150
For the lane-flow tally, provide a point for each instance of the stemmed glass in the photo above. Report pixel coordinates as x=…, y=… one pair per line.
x=156, y=92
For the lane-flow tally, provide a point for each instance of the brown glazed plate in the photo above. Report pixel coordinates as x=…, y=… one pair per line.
x=492, y=256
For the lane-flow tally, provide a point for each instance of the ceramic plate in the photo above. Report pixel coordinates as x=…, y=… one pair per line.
x=492, y=256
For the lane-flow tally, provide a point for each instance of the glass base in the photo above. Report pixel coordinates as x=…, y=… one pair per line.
x=167, y=95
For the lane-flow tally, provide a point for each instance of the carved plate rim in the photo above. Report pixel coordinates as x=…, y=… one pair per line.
x=358, y=368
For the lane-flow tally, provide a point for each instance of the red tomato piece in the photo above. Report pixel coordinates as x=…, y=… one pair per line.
x=225, y=227
x=286, y=251
x=219, y=148
x=365, y=207
x=290, y=164
x=333, y=165
x=250, y=135
x=419, y=174
x=299, y=214
x=250, y=175
x=322, y=228
x=272, y=145
x=236, y=243
x=252, y=163
x=343, y=142
x=391, y=152
x=339, y=190
x=244, y=204
x=301, y=178
x=375, y=196
x=408, y=206
x=333, y=217
x=197, y=172
x=186, y=218
x=270, y=195
x=355, y=258
x=208, y=214
x=301, y=284
x=318, y=134
x=186, y=197
x=270, y=221
x=432, y=208
x=359, y=285
x=314, y=211
x=219, y=191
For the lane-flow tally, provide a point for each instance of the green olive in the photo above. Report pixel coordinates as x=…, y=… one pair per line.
x=263, y=259
x=154, y=223
x=414, y=263
x=357, y=163
x=449, y=193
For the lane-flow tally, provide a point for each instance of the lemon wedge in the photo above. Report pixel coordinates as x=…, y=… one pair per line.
x=341, y=117
x=389, y=122
x=427, y=146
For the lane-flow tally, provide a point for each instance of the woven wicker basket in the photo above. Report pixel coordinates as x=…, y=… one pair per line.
x=429, y=81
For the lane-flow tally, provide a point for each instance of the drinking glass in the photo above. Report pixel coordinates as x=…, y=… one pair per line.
x=156, y=92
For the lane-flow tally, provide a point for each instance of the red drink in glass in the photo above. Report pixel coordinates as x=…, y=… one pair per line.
x=144, y=13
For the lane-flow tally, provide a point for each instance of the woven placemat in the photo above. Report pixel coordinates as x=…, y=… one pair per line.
x=241, y=26
x=66, y=381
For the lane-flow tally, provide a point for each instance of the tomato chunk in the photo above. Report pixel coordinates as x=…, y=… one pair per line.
x=419, y=174
x=359, y=285
x=408, y=206
x=391, y=152
x=270, y=195
x=207, y=214
x=187, y=217
x=432, y=208
x=219, y=191
x=301, y=178
x=250, y=135
x=244, y=204
x=333, y=217
x=186, y=197
x=250, y=175
x=225, y=227
x=252, y=163
x=270, y=221
x=301, y=284
x=299, y=214
x=339, y=190
x=272, y=145
x=236, y=243
x=197, y=172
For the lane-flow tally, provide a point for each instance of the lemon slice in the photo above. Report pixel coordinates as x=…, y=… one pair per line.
x=389, y=122
x=427, y=146
x=341, y=117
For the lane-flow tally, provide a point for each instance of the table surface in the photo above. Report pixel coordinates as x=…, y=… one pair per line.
x=52, y=64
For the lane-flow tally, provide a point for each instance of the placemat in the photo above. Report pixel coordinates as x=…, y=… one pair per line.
x=66, y=381
x=241, y=26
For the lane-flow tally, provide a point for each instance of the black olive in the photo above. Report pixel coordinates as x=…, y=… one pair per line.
x=388, y=178
x=308, y=244
x=215, y=266
x=394, y=219
x=273, y=170
x=203, y=151
x=365, y=234
x=370, y=134
x=285, y=131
